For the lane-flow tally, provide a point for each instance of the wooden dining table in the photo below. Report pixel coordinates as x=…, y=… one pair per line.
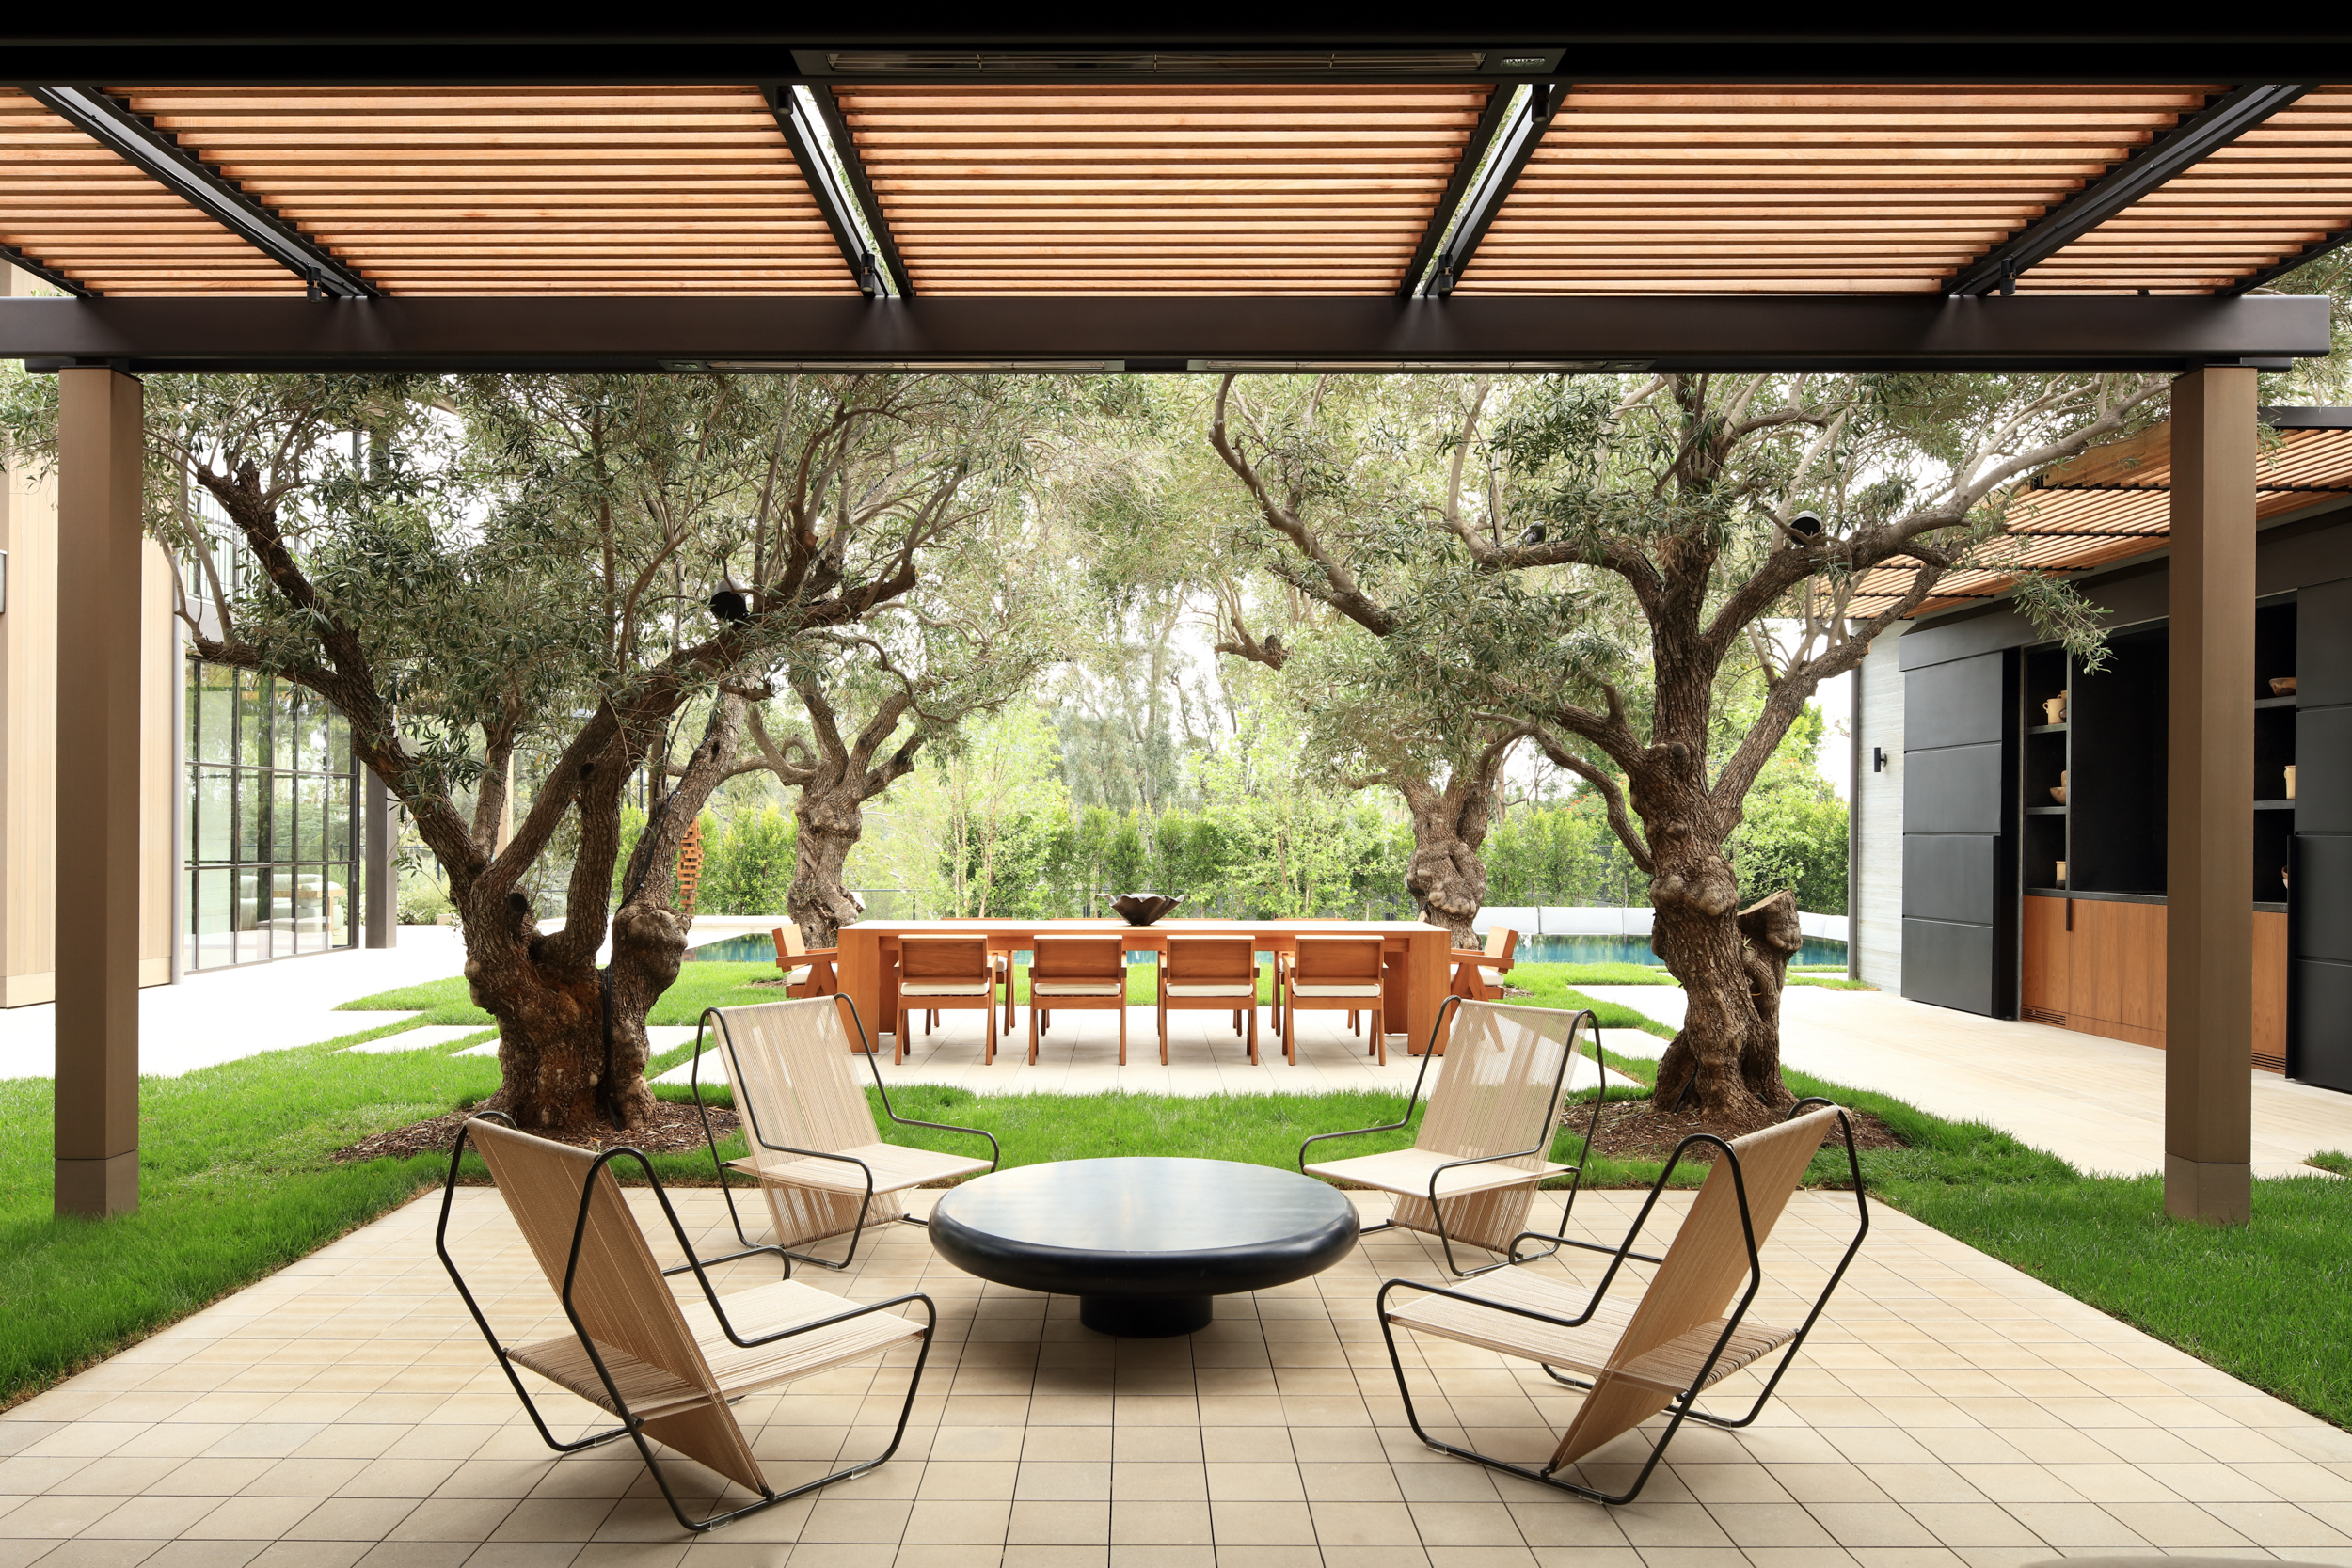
x=1416, y=971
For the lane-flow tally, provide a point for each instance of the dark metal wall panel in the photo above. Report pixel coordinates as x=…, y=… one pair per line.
x=1951, y=964
x=2322, y=888
x=1949, y=877
x=2319, y=920
x=2319, y=1050
x=1952, y=789
x=1951, y=704
x=2323, y=755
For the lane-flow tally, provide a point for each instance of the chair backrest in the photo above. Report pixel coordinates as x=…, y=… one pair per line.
x=1709, y=1259
x=1211, y=958
x=618, y=1291
x=1078, y=958
x=1500, y=942
x=942, y=957
x=1338, y=958
x=788, y=945
x=789, y=1064
x=1499, y=1082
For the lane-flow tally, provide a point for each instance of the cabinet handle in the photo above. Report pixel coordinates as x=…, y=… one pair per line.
x=2070, y=914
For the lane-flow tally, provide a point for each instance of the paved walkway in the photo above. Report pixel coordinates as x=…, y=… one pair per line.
x=2096, y=1103
x=224, y=1014
x=1951, y=1413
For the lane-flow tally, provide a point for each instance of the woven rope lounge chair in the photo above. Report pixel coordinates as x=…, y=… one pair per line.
x=817, y=1151
x=1069, y=973
x=1485, y=1139
x=1683, y=1336
x=668, y=1370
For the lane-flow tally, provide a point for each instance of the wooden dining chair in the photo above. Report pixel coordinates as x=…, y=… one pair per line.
x=808, y=971
x=670, y=1371
x=1484, y=1142
x=1000, y=964
x=1070, y=973
x=817, y=1146
x=1688, y=1331
x=1334, y=975
x=1210, y=974
x=1478, y=972
x=938, y=972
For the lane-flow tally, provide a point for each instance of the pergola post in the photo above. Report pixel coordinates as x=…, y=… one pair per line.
x=2209, y=954
x=99, y=564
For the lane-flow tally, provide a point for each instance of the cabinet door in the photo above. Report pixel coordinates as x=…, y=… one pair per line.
x=2270, y=990
x=2042, y=988
x=2116, y=978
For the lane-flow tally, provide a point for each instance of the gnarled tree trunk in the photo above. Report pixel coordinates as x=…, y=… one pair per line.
x=1446, y=878
x=835, y=777
x=830, y=823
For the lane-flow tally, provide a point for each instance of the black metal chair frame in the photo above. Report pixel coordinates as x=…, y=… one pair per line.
x=1684, y=1405
x=750, y=1117
x=1575, y=1180
x=633, y=1426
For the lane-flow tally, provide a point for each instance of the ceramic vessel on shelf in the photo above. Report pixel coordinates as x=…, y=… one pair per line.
x=2059, y=793
x=2055, y=708
x=1141, y=909
x=2283, y=686
x=2290, y=780
x=2059, y=876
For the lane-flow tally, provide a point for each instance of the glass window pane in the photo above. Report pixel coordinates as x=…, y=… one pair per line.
x=337, y=742
x=209, y=819
x=339, y=828
x=286, y=714
x=311, y=816
x=252, y=694
x=281, y=836
x=213, y=943
x=215, y=725
x=252, y=810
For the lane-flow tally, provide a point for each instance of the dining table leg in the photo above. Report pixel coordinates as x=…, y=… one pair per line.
x=1426, y=972
x=862, y=979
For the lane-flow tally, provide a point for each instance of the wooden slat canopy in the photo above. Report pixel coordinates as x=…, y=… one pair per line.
x=1159, y=189
x=1800, y=189
x=2277, y=190
x=72, y=206
x=2110, y=504
x=522, y=190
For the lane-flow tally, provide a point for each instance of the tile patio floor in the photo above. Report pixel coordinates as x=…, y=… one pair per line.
x=1950, y=1412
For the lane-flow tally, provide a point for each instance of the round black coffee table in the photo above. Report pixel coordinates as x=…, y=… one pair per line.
x=1144, y=1243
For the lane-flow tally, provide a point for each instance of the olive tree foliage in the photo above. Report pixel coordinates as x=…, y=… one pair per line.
x=576, y=562
x=1604, y=552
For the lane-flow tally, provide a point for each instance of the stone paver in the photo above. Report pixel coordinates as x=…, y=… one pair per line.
x=1949, y=1411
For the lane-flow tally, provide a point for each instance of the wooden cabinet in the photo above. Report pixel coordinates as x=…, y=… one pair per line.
x=2104, y=976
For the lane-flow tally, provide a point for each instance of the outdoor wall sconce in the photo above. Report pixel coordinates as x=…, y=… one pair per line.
x=1878, y=759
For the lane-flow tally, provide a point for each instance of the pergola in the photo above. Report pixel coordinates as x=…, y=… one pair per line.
x=1291, y=192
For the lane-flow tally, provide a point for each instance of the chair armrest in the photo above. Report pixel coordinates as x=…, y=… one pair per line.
x=1464, y=955
x=1355, y=1133
x=1381, y=1305
x=994, y=1153
x=818, y=953
x=930, y=1311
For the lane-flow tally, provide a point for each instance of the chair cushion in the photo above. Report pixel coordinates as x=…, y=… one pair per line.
x=1213, y=988
x=946, y=987
x=1335, y=988
x=796, y=975
x=1492, y=976
x=1077, y=988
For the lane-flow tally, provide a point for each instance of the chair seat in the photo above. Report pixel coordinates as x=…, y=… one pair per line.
x=651, y=1392
x=1585, y=1348
x=1335, y=988
x=1077, y=987
x=946, y=987
x=1492, y=976
x=895, y=1169
x=1213, y=988
x=1407, y=1172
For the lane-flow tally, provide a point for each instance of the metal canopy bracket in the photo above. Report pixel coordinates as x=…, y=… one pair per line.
x=2216, y=125
x=1512, y=144
x=860, y=189
x=834, y=198
x=116, y=127
x=1526, y=333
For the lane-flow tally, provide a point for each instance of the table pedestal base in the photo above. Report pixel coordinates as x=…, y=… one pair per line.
x=1146, y=1317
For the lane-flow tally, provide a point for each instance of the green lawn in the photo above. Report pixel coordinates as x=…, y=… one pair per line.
x=235, y=1182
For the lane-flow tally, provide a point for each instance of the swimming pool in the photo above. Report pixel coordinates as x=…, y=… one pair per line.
x=754, y=948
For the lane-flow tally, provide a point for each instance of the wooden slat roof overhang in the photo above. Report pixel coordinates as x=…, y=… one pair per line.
x=1292, y=158
x=2115, y=502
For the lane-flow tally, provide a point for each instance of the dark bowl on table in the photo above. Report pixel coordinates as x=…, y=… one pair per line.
x=1141, y=909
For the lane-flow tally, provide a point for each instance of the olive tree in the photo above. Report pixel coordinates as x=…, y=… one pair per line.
x=1604, y=552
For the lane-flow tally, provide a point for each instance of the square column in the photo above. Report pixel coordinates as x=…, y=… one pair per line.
x=100, y=561
x=2209, y=833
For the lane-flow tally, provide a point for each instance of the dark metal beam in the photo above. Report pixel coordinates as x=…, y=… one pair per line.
x=877, y=222
x=1513, y=147
x=1491, y=122
x=1533, y=333
x=832, y=198
x=115, y=127
x=47, y=273
x=2216, y=125
x=2310, y=253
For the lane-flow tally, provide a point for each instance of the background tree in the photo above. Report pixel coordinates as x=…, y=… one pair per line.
x=1630, y=543
x=579, y=562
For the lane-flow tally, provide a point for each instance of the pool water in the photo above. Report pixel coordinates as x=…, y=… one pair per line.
x=754, y=948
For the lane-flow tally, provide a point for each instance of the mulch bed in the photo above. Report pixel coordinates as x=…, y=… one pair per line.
x=1640, y=1130
x=674, y=1130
